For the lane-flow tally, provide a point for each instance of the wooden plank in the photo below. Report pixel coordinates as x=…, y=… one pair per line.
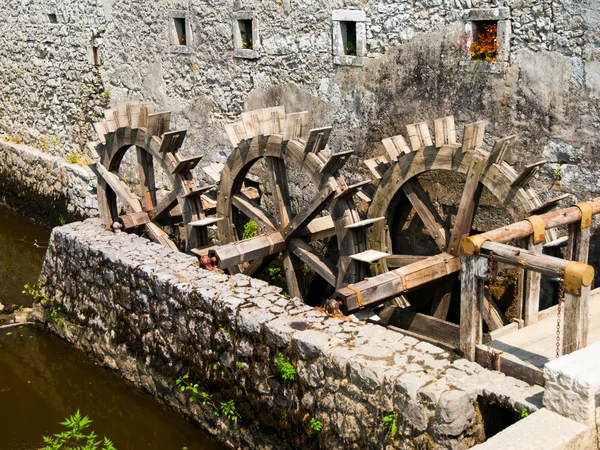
x=501, y=148
x=204, y=251
x=253, y=122
x=293, y=275
x=296, y=125
x=254, y=212
x=378, y=166
x=134, y=220
x=311, y=258
x=214, y=171
x=430, y=328
x=138, y=115
x=199, y=191
x=468, y=205
x=512, y=366
x=273, y=120
x=473, y=136
x=395, y=147
x=187, y=164
x=145, y=168
x=495, y=316
x=235, y=253
x=320, y=228
x=442, y=298
x=172, y=141
x=110, y=120
x=336, y=161
x=162, y=209
x=123, y=114
x=364, y=223
x=528, y=172
x=445, y=131
x=236, y=133
x=428, y=214
x=158, y=123
x=369, y=256
x=101, y=130
x=205, y=222
x=159, y=236
x=548, y=204
x=395, y=261
x=557, y=243
x=471, y=296
x=419, y=135
x=503, y=331
x=351, y=190
x=310, y=212
x=317, y=140
x=120, y=188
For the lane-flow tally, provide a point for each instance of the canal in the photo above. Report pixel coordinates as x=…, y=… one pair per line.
x=43, y=379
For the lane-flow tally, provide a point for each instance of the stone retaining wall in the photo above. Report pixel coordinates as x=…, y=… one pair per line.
x=152, y=315
x=45, y=187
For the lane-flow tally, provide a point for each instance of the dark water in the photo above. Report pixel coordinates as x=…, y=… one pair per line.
x=43, y=379
x=22, y=250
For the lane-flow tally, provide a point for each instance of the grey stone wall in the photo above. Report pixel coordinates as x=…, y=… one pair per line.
x=416, y=68
x=152, y=315
x=45, y=187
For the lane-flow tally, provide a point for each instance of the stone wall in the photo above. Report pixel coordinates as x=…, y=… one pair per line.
x=416, y=68
x=152, y=315
x=44, y=187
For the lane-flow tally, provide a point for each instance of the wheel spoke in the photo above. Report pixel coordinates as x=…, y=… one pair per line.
x=293, y=275
x=145, y=166
x=159, y=236
x=427, y=212
x=119, y=188
x=314, y=208
x=164, y=207
x=443, y=296
x=281, y=195
x=468, y=205
x=312, y=259
x=254, y=212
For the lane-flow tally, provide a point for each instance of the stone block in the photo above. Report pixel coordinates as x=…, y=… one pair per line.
x=454, y=413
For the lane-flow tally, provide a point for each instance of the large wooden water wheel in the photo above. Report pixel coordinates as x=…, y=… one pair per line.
x=137, y=128
x=418, y=185
x=281, y=142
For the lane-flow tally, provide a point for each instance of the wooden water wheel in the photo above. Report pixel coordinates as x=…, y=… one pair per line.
x=138, y=128
x=402, y=198
x=281, y=140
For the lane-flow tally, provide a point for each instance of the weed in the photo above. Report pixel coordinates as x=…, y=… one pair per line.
x=5, y=138
x=390, y=423
x=62, y=220
x=54, y=141
x=250, y=230
x=228, y=408
x=558, y=171
x=286, y=295
x=17, y=139
x=316, y=425
x=54, y=314
x=73, y=158
x=239, y=366
x=35, y=291
x=106, y=93
x=286, y=370
x=524, y=413
x=74, y=438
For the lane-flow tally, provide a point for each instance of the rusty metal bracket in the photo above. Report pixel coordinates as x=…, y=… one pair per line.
x=472, y=244
x=539, y=228
x=402, y=274
x=359, y=296
x=586, y=214
x=577, y=275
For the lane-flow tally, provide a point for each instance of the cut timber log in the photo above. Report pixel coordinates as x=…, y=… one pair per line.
x=528, y=172
x=391, y=284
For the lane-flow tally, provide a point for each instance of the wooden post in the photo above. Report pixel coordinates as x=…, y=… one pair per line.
x=576, y=318
x=531, y=308
x=474, y=272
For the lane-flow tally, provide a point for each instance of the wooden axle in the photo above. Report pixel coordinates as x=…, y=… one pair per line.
x=229, y=255
x=382, y=287
x=553, y=219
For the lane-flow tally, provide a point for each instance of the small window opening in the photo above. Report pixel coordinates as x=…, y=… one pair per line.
x=95, y=56
x=485, y=40
x=52, y=18
x=349, y=37
x=495, y=417
x=180, y=26
x=246, y=33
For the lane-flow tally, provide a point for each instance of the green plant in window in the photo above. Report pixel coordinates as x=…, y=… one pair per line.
x=248, y=44
x=350, y=48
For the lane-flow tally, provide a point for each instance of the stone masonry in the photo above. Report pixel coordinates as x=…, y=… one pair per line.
x=152, y=315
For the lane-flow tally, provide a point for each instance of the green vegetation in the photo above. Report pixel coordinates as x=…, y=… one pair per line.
x=316, y=425
x=35, y=291
x=558, y=172
x=73, y=158
x=524, y=413
x=74, y=438
x=227, y=409
x=250, y=230
x=350, y=48
x=286, y=370
x=62, y=220
x=390, y=424
x=274, y=274
x=106, y=93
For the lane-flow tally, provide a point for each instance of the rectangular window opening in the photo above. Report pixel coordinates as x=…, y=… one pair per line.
x=180, y=30
x=349, y=37
x=485, y=40
x=96, y=56
x=52, y=18
x=246, y=34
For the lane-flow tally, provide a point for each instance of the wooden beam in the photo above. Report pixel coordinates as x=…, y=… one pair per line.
x=351, y=190
x=158, y=123
x=548, y=204
x=312, y=259
x=317, y=140
x=528, y=172
x=336, y=161
x=120, y=188
x=419, y=135
x=163, y=208
x=159, y=236
x=420, y=201
x=296, y=125
x=254, y=212
x=387, y=285
x=145, y=167
x=311, y=211
x=247, y=250
x=172, y=141
x=445, y=131
x=320, y=228
x=442, y=298
x=495, y=316
x=512, y=366
x=396, y=261
x=531, y=305
x=395, y=147
x=378, y=166
x=133, y=220
x=430, y=328
x=473, y=136
x=500, y=150
x=468, y=205
x=187, y=164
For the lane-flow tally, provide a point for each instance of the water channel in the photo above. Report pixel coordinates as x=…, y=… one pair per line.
x=43, y=379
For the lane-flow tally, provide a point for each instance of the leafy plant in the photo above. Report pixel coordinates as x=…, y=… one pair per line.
x=74, y=438
x=250, y=230
x=35, y=291
x=106, y=93
x=55, y=315
x=390, y=423
x=350, y=48
x=248, y=44
x=73, y=158
x=62, y=220
x=316, y=425
x=286, y=370
x=558, y=171
x=239, y=366
x=274, y=274
x=228, y=408
x=524, y=413
x=485, y=44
